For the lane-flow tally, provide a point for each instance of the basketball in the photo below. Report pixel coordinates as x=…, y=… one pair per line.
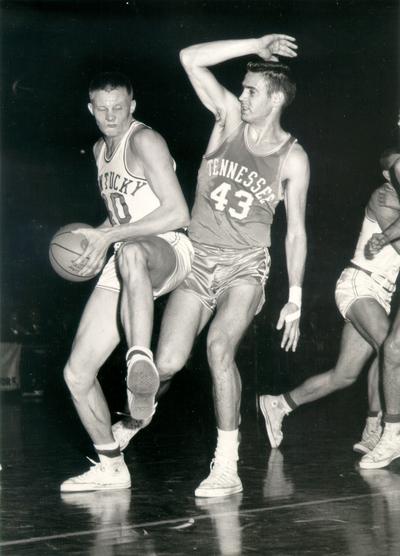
x=65, y=248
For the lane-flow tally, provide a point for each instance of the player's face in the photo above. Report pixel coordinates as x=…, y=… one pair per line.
x=255, y=101
x=112, y=110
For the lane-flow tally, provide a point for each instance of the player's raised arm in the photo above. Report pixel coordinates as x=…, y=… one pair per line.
x=297, y=175
x=196, y=60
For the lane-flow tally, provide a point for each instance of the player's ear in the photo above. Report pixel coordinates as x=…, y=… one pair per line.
x=278, y=98
x=386, y=175
x=90, y=107
x=133, y=106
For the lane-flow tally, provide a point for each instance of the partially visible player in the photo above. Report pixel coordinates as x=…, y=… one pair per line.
x=388, y=447
x=145, y=205
x=390, y=162
x=363, y=296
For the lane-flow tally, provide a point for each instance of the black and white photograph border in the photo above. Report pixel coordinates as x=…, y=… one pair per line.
x=302, y=488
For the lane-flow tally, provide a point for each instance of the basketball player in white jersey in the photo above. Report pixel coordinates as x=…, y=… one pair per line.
x=363, y=296
x=388, y=447
x=250, y=165
x=145, y=206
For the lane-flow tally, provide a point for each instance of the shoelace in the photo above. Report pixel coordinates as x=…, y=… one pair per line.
x=128, y=423
x=96, y=466
x=385, y=443
x=128, y=415
x=218, y=468
x=368, y=434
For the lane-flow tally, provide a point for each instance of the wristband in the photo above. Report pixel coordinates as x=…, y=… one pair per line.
x=295, y=295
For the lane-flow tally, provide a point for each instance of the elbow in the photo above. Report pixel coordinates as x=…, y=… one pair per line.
x=181, y=218
x=297, y=239
x=297, y=235
x=184, y=218
x=186, y=56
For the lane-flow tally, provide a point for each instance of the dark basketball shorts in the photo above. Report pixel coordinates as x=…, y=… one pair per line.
x=215, y=270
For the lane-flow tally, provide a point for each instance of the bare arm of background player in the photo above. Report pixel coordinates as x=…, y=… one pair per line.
x=385, y=207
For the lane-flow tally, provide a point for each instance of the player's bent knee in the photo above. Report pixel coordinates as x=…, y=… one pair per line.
x=168, y=365
x=77, y=383
x=132, y=259
x=220, y=352
x=391, y=350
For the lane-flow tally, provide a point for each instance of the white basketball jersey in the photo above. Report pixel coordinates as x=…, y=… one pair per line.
x=386, y=262
x=128, y=197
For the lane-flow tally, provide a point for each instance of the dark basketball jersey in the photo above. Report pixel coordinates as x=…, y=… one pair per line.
x=237, y=193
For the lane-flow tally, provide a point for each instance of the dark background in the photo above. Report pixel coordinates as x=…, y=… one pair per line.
x=344, y=115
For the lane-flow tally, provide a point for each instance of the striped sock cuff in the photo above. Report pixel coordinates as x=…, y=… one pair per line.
x=392, y=418
x=111, y=450
x=289, y=400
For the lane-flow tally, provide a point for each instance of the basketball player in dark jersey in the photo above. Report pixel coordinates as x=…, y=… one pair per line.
x=388, y=447
x=250, y=165
x=137, y=181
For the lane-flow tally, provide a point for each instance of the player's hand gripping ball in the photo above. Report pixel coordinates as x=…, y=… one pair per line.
x=65, y=248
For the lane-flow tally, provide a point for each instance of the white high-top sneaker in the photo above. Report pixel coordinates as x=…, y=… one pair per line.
x=223, y=480
x=109, y=473
x=142, y=382
x=274, y=410
x=387, y=449
x=125, y=429
x=370, y=435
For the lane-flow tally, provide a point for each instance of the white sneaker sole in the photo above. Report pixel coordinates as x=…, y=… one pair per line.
x=378, y=464
x=89, y=488
x=143, y=384
x=360, y=449
x=217, y=492
x=275, y=443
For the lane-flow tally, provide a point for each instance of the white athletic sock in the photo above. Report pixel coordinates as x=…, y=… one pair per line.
x=106, y=447
x=393, y=427
x=374, y=421
x=228, y=445
x=145, y=350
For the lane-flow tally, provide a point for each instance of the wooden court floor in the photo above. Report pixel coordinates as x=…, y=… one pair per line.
x=309, y=497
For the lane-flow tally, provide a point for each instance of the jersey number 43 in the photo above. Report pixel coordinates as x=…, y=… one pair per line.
x=226, y=200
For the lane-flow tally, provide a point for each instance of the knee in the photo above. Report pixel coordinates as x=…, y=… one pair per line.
x=391, y=350
x=132, y=260
x=168, y=364
x=220, y=353
x=76, y=382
